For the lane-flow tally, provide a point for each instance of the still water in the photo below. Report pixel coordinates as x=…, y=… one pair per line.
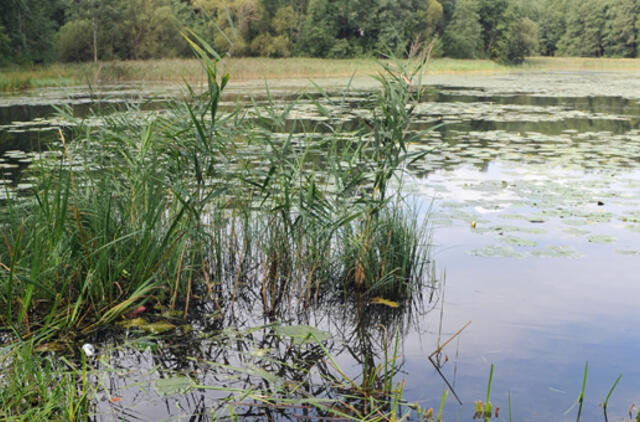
x=532, y=191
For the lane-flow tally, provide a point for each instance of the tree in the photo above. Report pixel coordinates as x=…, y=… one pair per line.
x=5, y=46
x=149, y=28
x=29, y=28
x=621, y=34
x=319, y=30
x=492, y=18
x=432, y=19
x=74, y=44
x=463, y=36
x=234, y=23
x=103, y=15
x=585, y=31
x=551, y=28
x=518, y=38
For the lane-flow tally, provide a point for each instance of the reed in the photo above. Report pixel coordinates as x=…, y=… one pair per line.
x=147, y=209
x=199, y=205
x=606, y=400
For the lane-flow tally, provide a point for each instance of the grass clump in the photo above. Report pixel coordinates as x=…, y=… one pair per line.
x=34, y=386
x=145, y=210
x=158, y=212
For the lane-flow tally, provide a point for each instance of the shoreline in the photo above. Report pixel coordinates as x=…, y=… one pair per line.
x=24, y=78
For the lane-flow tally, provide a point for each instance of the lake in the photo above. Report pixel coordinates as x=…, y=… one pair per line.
x=532, y=192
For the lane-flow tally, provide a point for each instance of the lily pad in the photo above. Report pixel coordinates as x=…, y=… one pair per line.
x=600, y=238
x=179, y=384
x=576, y=231
x=558, y=252
x=629, y=252
x=492, y=251
x=575, y=222
x=302, y=334
x=516, y=241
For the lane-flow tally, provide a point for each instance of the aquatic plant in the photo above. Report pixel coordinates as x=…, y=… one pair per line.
x=197, y=207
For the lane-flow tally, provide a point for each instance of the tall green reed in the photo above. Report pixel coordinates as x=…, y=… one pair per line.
x=148, y=208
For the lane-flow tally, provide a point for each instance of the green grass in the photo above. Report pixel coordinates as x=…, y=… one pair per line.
x=34, y=386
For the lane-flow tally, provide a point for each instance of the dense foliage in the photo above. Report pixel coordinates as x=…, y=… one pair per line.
x=35, y=31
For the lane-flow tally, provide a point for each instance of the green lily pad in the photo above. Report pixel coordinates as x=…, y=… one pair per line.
x=492, y=251
x=302, y=334
x=179, y=384
x=509, y=228
x=575, y=222
x=629, y=252
x=633, y=228
x=516, y=241
x=558, y=252
x=600, y=238
x=576, y=231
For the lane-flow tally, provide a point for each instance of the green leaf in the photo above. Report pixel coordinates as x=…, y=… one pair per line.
x=179, y=384
x=302, y=334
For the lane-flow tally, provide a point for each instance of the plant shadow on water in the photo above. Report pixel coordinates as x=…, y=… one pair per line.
x=245, y=268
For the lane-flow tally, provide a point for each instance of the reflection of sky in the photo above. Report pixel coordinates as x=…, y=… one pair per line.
x=538, y=319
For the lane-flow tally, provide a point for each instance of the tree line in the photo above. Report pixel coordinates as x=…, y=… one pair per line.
x=41, y=31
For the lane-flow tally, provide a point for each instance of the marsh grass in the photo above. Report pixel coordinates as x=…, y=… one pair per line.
x=256, y=68
x=199, y=206
x=34, y=386
x=141, y=210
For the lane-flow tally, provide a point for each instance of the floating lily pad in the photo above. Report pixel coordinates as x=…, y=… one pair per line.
x=508, y=228
x=629, y=252
x=557, y=252
x=142, y=324
x=516, y=241
x=600, y=238
x=514, y=216
x=179, y=384
x=575, y=222
x=302, y=334
x=492, y=251
x=576, y=231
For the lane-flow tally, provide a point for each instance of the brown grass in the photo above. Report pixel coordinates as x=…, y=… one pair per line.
x=256, y=68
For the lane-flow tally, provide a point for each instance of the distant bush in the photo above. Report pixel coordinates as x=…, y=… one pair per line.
x=271, y=46
x=344, y=48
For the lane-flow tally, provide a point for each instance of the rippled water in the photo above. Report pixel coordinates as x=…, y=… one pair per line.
x=533, y=191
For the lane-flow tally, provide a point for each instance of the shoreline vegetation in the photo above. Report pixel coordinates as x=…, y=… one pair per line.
x=20, y=78
x=201, y=212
